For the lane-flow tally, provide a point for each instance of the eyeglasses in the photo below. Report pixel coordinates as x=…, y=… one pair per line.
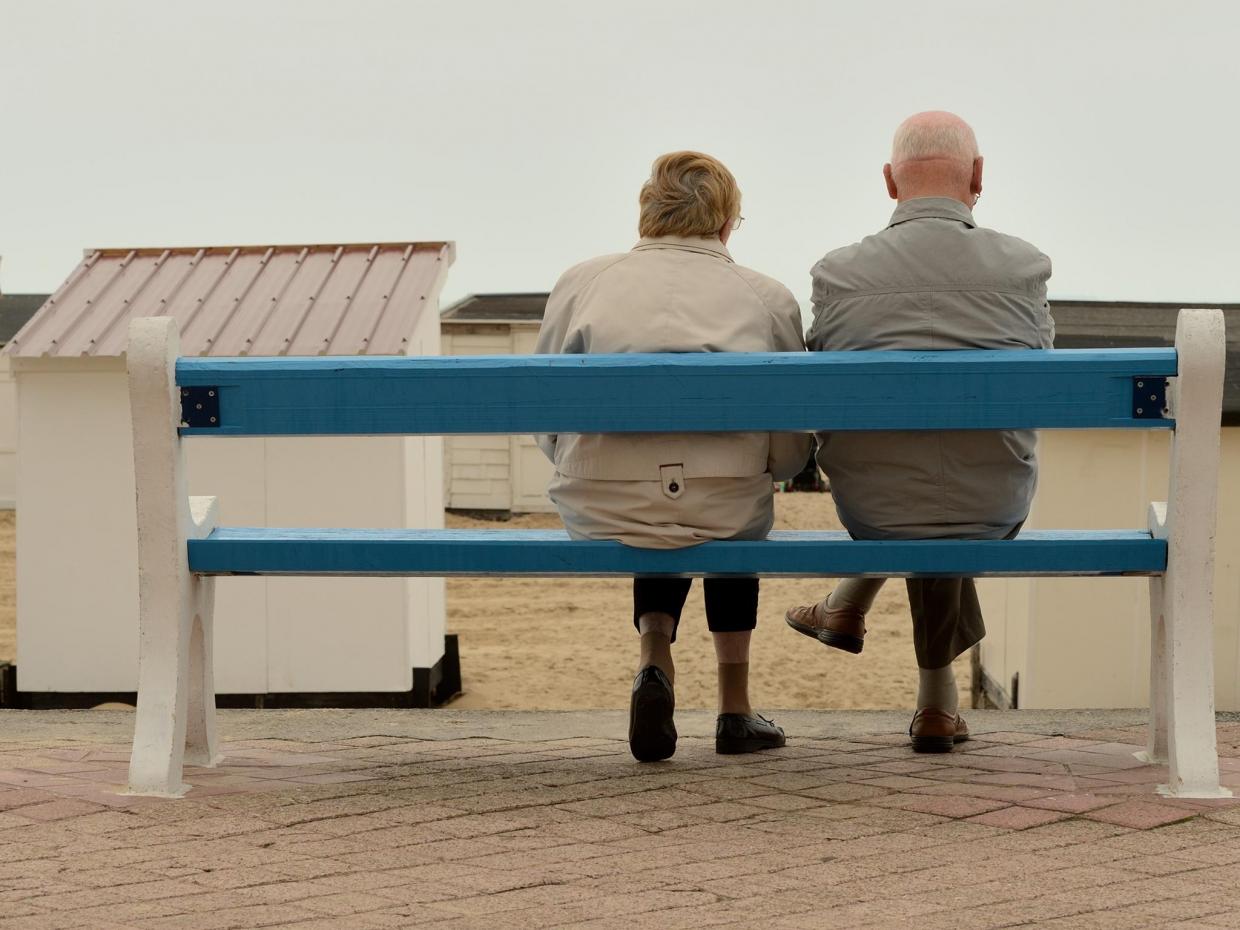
x=736, y=223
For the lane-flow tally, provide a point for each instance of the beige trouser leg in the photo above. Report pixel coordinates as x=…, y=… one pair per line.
x=858, y=593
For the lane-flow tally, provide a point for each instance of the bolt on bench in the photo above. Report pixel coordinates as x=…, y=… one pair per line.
x=181, y=550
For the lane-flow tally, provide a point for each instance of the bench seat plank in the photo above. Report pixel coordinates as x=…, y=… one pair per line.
x=275, y=551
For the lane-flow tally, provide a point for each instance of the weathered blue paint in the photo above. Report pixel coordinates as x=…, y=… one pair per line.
x=552, y=553
x=691, y=392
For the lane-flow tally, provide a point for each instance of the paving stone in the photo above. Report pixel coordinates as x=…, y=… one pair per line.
x=14, y=798
x=58, y=809
x=900, y=782
x=1139, y=815
x=846, y=792
x=1013, y=794
x=1018, y=818
x=941, y=805
x=1072, y=803
x=1052, y=783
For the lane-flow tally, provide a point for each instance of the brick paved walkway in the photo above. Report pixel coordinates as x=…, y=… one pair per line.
x=375, y=831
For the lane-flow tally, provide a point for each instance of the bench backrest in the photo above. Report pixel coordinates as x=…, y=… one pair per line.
x=967, y=389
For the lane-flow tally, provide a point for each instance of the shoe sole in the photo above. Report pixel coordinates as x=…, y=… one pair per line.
x=842, y=641
x=738, y=747
x=652, y=730
x=936, y=743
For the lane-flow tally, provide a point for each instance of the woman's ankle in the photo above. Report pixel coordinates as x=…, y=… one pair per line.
x=656, y=650
x=734, y=688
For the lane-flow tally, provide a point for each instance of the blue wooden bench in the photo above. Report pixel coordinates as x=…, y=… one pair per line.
x=180, y=549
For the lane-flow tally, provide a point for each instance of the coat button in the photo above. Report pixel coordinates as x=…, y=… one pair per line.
x=673, y=487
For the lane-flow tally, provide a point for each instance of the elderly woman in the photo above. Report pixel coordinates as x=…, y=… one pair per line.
x=677, y=290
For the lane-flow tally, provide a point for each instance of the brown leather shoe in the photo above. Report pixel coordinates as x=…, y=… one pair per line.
x=839, y=627
x=937, y=730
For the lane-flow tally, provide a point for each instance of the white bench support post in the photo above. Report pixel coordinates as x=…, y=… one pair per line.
x=176, y=692
x=1156, y=745
x=1182, y=644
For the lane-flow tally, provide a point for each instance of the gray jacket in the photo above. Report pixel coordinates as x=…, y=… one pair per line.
x=931, y=280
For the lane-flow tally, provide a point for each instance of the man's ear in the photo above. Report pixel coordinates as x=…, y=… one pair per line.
x=891, y=182
x=975, y=182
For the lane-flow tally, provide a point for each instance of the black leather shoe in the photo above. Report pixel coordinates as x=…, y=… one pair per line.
x=652, y=732
x=737, y=733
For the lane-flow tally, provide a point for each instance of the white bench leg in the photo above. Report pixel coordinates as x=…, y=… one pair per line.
x=1188, y=524
x=1156, y=746
x=201, y=747
x=176, y=695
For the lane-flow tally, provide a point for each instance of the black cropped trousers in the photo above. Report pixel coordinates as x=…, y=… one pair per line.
x=731, y=603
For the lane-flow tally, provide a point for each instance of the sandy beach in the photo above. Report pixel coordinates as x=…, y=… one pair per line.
x=569, y=644
x=560, y=644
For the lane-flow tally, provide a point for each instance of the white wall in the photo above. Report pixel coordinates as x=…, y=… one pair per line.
x=425, y=598
x=1084, y=642
x=76, y=540
x=8, y=436
x=77, y=590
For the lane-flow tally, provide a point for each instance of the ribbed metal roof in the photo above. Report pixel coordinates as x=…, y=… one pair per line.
x=497, y=308
x=362, y=299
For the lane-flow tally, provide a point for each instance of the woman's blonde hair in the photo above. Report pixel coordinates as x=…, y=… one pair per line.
x=688, y=194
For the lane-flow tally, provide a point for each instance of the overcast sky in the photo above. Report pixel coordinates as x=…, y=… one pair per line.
x=523, y=130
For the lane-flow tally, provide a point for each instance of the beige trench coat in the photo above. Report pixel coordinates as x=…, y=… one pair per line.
x=665, y=490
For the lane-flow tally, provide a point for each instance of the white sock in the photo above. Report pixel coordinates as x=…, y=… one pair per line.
x=858, y=593
x=936, y=687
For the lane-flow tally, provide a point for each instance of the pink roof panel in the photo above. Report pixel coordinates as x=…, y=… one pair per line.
x=360, y=299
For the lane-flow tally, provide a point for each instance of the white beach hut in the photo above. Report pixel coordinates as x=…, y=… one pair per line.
x=1076, y=642
x=76, y=540
x=495, y=474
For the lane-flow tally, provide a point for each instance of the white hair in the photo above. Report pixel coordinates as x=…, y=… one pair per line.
x=926, y=136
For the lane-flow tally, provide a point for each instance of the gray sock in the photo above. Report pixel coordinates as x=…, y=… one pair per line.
x=858, y=593
x=936, y=687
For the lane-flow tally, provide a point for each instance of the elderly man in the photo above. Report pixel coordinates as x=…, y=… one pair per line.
x=932, y=279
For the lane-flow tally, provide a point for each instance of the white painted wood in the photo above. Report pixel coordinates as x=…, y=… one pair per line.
x=1188, y=589
x=1156, y=745
x=338, y=634
x=234, y=470
x=176, y=695
x=81, y=636
x=8, y=436
x=201, y=746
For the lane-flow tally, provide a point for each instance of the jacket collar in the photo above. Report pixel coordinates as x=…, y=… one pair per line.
x=938, y=208
x=705, y=245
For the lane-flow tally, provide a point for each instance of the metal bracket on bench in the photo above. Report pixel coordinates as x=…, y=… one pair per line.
x=1149, y=399
x=200, y=406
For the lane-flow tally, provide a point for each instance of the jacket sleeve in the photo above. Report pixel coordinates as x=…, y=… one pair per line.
x=1046, y=326
x=1043, y=321
x=551, y=337
x=788, y=451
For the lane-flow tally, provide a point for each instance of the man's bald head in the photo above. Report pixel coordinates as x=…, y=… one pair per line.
x=934, y=154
